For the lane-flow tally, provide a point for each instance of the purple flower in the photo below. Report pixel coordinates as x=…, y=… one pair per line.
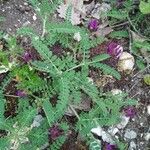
x=21, y=93
x=110, y=146
x=120, y=3
x=93, y=25
x=114, y=49
x=130, y=111
x=27, y=56
x=55, y=132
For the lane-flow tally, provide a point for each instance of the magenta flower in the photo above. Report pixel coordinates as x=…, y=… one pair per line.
x=27, y=56
x=110, y=146
x=120, y=3
x=115, y=50
x=55, y=132
x=21, y=93
x=130, y=111
x=93, y=24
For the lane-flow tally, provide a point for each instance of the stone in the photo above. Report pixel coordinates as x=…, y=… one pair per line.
x=130, y=134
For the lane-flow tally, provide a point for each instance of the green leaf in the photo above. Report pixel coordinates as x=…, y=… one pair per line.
x=107, y=70
x=145, y=7
x=140, y=64
x=117, y=14
x=63, y=28
x=2, y=19
x=49, y=111
x=2, y=108
x=119, y=34
x=95, y=145
x=147, y=79
x=100, y=58
x=26, y=31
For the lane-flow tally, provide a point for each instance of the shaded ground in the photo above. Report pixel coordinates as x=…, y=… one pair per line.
x=18, y=13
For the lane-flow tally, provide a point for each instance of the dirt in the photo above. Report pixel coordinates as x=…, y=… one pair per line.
x=18, y=13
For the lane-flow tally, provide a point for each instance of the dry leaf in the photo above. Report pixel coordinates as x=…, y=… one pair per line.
x=103, y=32
x=75, y=16
x=100, y=9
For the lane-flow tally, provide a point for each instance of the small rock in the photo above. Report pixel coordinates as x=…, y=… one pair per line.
x=34, y=17
x=147, y=136
x=126, y=63
x=124, y=122
x=99, y=131
x=130, y=134
x=116, y=91
x=113, y=130
x=132, y=146
x=148, y=109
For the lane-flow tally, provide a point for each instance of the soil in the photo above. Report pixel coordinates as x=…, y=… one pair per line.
x=18, y=13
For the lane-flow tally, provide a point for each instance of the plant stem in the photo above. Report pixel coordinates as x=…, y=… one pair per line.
x=44, y=24
x=74, y=111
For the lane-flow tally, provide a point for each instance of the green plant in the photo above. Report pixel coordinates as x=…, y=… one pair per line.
x=145, y=7
x=110, y=116
x=65, y=77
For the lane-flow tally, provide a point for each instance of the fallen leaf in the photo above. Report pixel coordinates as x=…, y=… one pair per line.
x=74, y=16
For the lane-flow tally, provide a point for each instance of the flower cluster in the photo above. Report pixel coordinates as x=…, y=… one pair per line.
x=110, y=146
x=54, y=132
x=114, y=49
x=27, y=56
x=130, y=111
x=93, y=24
x=21, y=93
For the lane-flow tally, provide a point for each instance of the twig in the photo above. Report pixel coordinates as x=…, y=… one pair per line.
x=7, y=95
x=136, y=75
x=74, y=111
x=141, y=71
x=121, y=24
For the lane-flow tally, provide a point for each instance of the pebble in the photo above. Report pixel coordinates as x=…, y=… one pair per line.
x=113, y=130
x=116, y=91
x=34, y=17
x=130, y=134
x=148, y=109
x=132, y=146
x=99, y=131
x=147, y=136
x=124, y=122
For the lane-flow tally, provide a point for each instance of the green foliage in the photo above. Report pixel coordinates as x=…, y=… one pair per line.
x=141, y=50
x=2, y=107
x=107, y=70
x=110, y=117
x=28, y=79
x=145, y=7
x=2, y=19
x=58, y=143
x=95, y=145
x=119, y=34
x=44, y=7
x=140, y=63
x=117, y=14
x=147, y=79
x=54, y=82
x=48, y=109
x=5, y=82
